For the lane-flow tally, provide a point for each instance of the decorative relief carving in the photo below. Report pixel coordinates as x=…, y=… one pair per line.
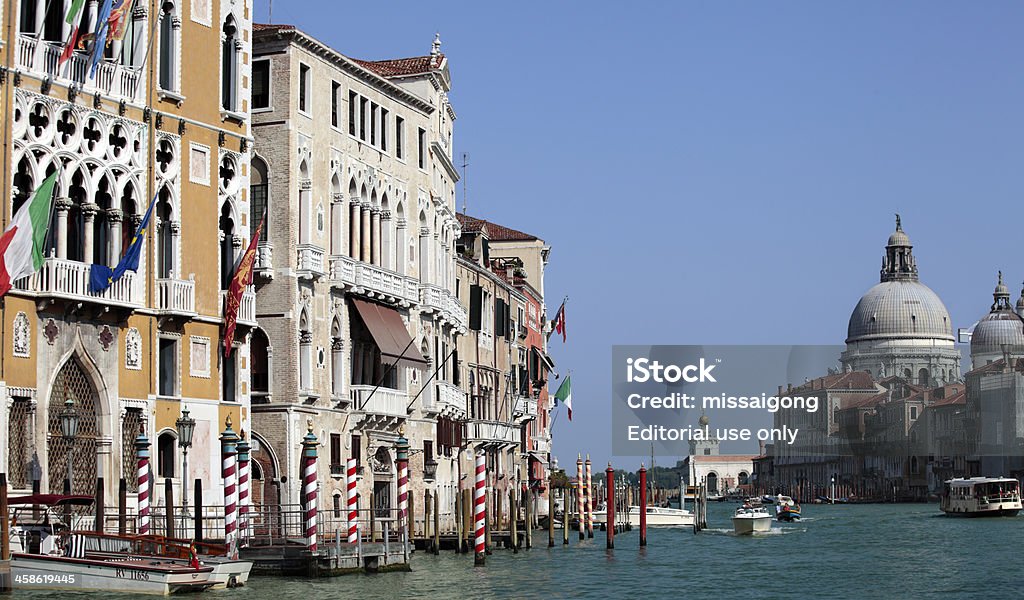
x=22, y=335
x=133, y=350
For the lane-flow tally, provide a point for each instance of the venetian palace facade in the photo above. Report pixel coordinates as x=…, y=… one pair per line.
x=166, y=114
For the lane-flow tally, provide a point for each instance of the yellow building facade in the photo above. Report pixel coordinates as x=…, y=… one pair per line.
x=165, y=115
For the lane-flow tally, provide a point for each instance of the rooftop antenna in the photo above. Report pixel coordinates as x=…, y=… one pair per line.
x=465, y=163
x=270, y=12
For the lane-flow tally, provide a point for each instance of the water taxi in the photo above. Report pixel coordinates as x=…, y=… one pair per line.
x=981, y=497
x=751, y=518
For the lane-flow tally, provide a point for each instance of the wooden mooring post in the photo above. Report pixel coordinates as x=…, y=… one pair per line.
x=551, y=514
x=169, y=507
x=6, y=584
x=514, y=519
x=122, y=507
x=198, y=507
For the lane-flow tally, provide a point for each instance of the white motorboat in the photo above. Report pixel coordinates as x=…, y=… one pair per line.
x=46, y=556
x=981, y=497
x=657, y=516
x=751, y=519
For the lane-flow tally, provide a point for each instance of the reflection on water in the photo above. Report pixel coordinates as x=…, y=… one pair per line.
x=870, y=551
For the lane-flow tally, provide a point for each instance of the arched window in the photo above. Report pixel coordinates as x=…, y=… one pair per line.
x=259, y=356
x=337, y=359
x=76, y=224
x=743, y=478
x=227, y=246
x=170, y=27
x=165, y=236
x=922, y=377
x=712, y=483
x=165, y=454
x=259, y=196
x=229, y=66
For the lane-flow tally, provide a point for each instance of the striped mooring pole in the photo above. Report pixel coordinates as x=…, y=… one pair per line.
x=350, y=500
x=142, y=451
x=402, y=461
x=309, y=444
x=589, y=501
x=580, y=512
x=243, y=488
x=229, y=464
x=479, y=509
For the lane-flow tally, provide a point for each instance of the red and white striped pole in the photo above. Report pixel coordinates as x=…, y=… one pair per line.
x=228, y=451
x=353, y=512
x=479, y=510
x=243, y=488
x=309, y=444
x=580, y=512
x=402, y=462
x=142, y=450
x=590, y=501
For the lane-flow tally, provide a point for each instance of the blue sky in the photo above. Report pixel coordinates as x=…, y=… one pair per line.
x=724, y=172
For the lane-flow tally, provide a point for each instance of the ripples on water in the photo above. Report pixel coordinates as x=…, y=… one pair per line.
x=854, y=551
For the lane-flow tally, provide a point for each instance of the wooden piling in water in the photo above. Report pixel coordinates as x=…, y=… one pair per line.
x=643, y=505
x=373, y=519
x=122, y=507
x=458, y=521
x=551, y=514
x=488, y=520
x=467, y=518
x=100, y=508
x=528, y=515
x=609, y=514
x=35, y=507
x=198, y=507
x=513, y=508
x=437, y=524
x=169, y=506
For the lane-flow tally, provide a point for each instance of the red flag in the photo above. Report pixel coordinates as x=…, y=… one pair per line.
x=241, y=280
x=559, y=322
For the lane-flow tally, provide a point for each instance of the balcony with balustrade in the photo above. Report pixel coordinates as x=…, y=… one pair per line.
x=492, y=434
x=246, y=308
x=540, y=445
x=379, y=406
x=310, y=263
x=441, y=302
x=373, y=281
x=451, y=401
x=524, y=409
x=63, y=279
x=41, y=59
x=176, y=297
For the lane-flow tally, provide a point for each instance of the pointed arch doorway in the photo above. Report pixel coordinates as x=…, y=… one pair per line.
x=73, y=382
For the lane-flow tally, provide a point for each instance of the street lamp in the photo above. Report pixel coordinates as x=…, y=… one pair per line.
x=69, y=429
x=186, y=426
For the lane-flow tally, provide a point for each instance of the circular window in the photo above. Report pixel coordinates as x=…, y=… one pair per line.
x=69, y=131
x=41, y=123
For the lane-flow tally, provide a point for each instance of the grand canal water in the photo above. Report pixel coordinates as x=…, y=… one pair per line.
x=854, y=551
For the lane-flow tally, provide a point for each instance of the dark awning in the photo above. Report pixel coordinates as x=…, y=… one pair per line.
x=387, y=329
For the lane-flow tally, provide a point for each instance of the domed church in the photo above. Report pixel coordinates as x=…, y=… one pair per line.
x=1000, y=331
x=900, y=326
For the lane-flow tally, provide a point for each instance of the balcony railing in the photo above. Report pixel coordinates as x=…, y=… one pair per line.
x=437, y=299
x=41, y=58
x=176, y=296
x=540, y=445
x=246, y=308
x=451, y=400
x=69, y=279
x=384, y=401
x=524, y=408
x=492, y=433
x=310, y=260
x=373, y=280
x=265, y=260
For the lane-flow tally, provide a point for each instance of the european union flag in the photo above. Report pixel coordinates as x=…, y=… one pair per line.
x=100, y=36
x=101, y=276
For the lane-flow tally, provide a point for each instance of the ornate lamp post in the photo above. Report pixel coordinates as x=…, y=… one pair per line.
x=186, y=426
x=69, y=430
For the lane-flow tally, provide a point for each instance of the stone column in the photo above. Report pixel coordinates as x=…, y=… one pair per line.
x=387, y=252
x=401, y=247
x=354, y=224
x=114, y=217
x=88, y=217
x=305, y=210
x=337, y=365
x=424, y=254
x=364, y=252
x=175, y=241
x=62, y=206
x=338, y=241
x=375, y=235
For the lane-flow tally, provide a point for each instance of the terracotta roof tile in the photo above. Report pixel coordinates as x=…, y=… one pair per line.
x=958, y=398
x=272, y=26
x=495, y=232
x=401, y=67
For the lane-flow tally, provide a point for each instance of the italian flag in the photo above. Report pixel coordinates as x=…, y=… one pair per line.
x=21, y=245
x=564, y=394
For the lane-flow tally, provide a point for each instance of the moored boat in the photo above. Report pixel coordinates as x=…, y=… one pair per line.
x=981, y=497
x=46, y=555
